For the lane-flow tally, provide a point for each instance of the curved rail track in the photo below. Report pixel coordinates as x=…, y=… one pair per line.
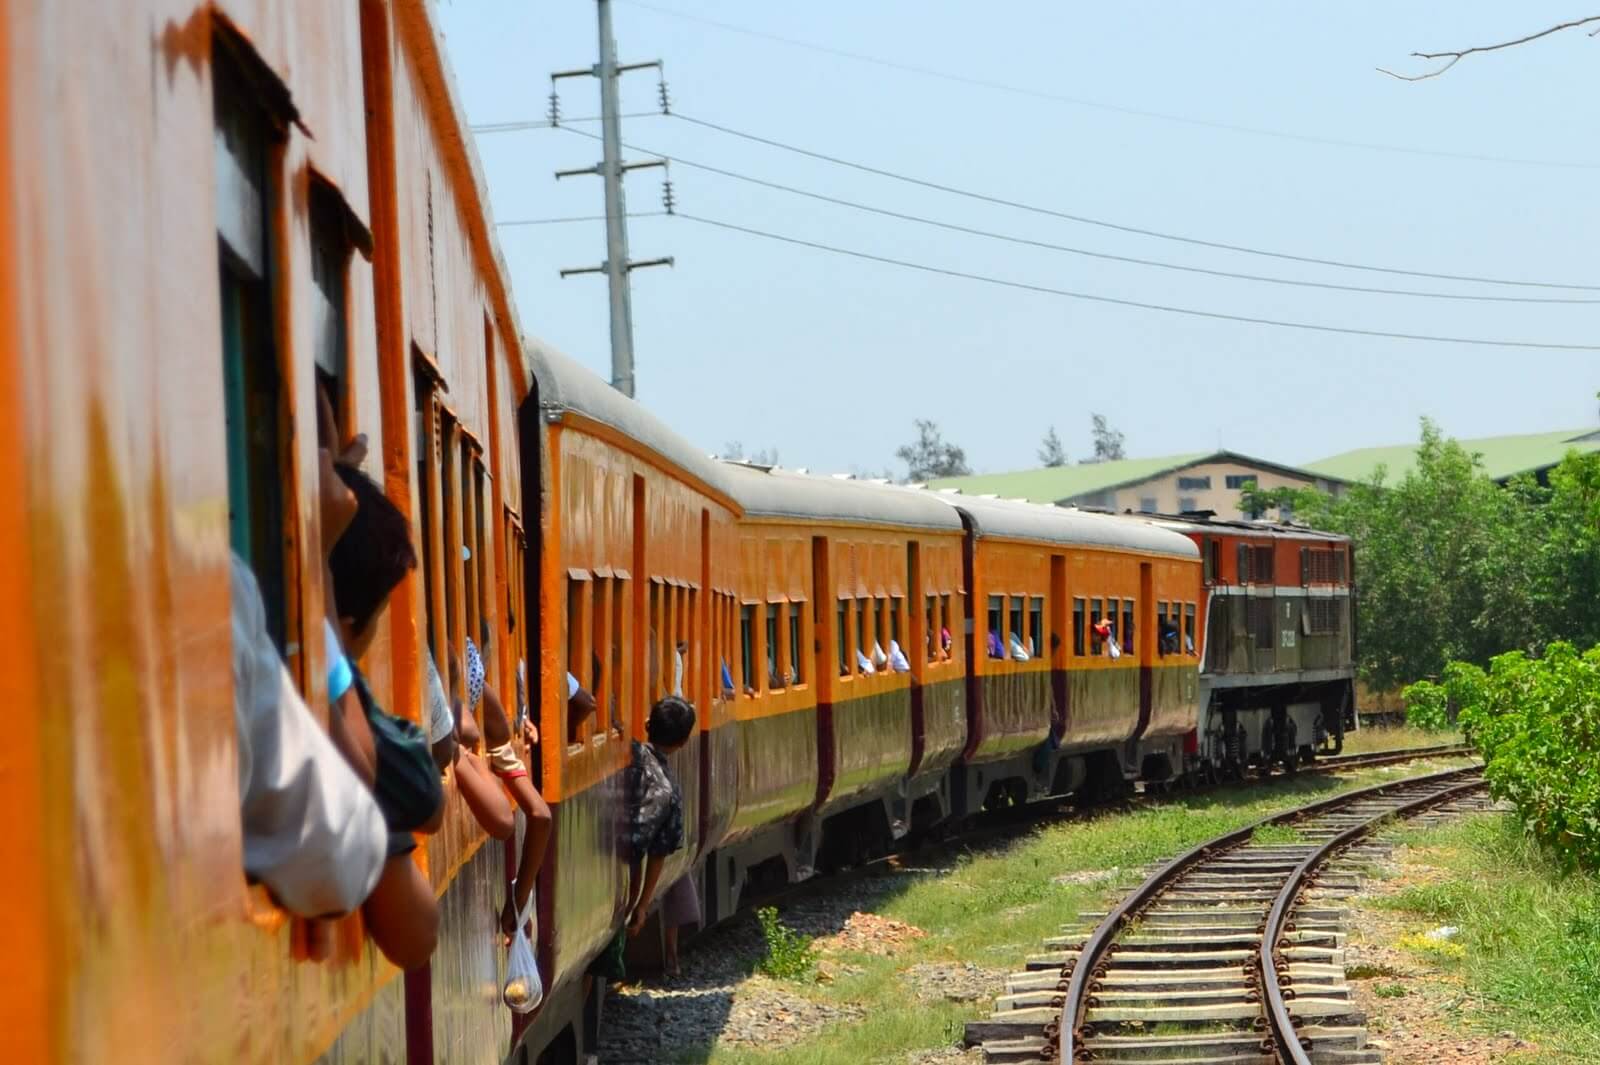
x=1230, y=954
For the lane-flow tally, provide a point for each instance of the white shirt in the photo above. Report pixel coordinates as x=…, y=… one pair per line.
x=441, y=722
x=897, y=658
x=312, y=830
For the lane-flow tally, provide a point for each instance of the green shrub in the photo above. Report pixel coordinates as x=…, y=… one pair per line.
x=1427, y=706
x=789, y=954
x=1537, y=723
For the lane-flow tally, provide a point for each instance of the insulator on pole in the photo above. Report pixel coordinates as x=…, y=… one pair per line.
x=664, y=97
x=554, y=113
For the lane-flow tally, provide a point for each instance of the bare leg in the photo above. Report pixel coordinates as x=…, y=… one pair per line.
x=671, y=936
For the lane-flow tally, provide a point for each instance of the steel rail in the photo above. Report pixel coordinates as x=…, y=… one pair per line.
x=1274, y=982
x=1091, y=960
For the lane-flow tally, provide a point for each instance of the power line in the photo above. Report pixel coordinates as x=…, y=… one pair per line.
x=1118, y=226
x=522, y=124
x=1100, y=105
x=1109, y=256
x=573, y=218
x=1189, y=311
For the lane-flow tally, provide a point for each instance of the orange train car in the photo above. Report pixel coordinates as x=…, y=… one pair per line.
x=293, y=204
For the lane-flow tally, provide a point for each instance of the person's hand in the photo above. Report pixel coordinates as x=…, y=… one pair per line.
x=530, y=733
x=508, y=915
x=355, y=452
x=636, y=924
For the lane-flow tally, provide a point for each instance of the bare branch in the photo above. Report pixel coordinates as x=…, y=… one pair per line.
x=1456, y=57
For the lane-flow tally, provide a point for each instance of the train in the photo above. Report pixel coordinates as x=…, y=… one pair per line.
x=217, y=209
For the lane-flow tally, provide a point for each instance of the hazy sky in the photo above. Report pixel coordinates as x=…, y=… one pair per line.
x=829, y=359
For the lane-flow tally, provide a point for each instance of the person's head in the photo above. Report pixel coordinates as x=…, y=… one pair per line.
x=370, y=560
x=671, y=723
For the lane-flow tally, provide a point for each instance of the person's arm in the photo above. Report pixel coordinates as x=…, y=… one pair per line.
x=652, y=876
x=484, y=797
x=402, y=916
x=535, y=841
x=352, y=735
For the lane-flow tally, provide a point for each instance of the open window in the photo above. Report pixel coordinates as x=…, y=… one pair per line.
x=776, y=680
x=996, y=630
x=843, y=640
x=797, y=670
x=1125, y=632
x=1078, y=627
x=1036, y=645
x=245, y=138
x=1188, y=629
x=1096, y=612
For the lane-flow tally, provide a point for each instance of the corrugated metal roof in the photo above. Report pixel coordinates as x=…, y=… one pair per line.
x=1055, y=484
x=1273, y=529
x=778, y=493
x=1502, y=456
x=1019, y=520
x=567, y=385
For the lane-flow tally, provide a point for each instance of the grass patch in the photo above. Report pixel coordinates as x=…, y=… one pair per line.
x=1529, y=939
x=1374, y=740
x=1276, y=835
x=994, y=903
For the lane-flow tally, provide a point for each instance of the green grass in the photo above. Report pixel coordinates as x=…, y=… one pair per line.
x=1530, y=934
x=993, y=905
x=1397, y=738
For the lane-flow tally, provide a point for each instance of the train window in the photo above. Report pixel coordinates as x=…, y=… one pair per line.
x=330, y=256
x=1036, y=626
x=1214, y=560
x=996, y=639
x=450, y=556
x=1165, y=644
x=572, y=634
x=774, y=666
x=653, y=659
x=842, y=640
x=1096, y=607
x=747, y=651
x=619, y=599
x=1077, y=627
x=1126, y=631
x=1261, y=565
x=1188, y=629
x=945, y=622
x=252, y=390
x=894, y=619
x=797, y=673
x=883, y=631
x=600, y=650
x=932, y=641
x=1015, y=633
x=864, y=633
x=470, y=559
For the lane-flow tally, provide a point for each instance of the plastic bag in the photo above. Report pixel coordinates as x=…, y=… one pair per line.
x=523, y=990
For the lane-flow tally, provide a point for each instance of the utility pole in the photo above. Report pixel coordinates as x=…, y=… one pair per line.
x=617, y=266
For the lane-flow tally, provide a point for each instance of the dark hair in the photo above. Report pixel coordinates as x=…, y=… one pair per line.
x=374, y=554
x=671, y=722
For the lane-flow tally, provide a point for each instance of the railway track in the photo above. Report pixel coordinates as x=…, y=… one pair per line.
x=1230, y=954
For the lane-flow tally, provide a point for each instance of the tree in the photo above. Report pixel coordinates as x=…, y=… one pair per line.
x=1107, y=441
x=1257, y=502
x=1452, y=58
x=929, y=456
x=1051, y=453
x=734, y=452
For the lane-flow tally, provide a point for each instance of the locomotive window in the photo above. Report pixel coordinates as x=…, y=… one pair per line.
x=1214, y=557
x=797, y=673
x=997, y=608
x=1077, y=627
x=1261, y=565
x=1126, y=632
x=1036, y=626
x=747, y=651
x=1188, y=629
x=842, y=640
x=774, y=667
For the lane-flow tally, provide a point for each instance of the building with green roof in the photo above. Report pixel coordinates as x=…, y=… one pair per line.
x=1171, y=484
x=1503, y=457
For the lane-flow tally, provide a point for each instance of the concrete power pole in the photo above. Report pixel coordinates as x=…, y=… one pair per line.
x=617, y=266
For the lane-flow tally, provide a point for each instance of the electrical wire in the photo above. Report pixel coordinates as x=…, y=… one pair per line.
x=1164, y=308
x=1118, y=226
x=522, y=124
x=1108, y=256
x=1100, y=105
x=574, y=218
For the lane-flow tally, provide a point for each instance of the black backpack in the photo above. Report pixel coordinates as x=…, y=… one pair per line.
x=407, y=787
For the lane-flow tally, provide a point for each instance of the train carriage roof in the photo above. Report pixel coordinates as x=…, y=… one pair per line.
x=567, y=385
x=779, y=493
x=1019, y=520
